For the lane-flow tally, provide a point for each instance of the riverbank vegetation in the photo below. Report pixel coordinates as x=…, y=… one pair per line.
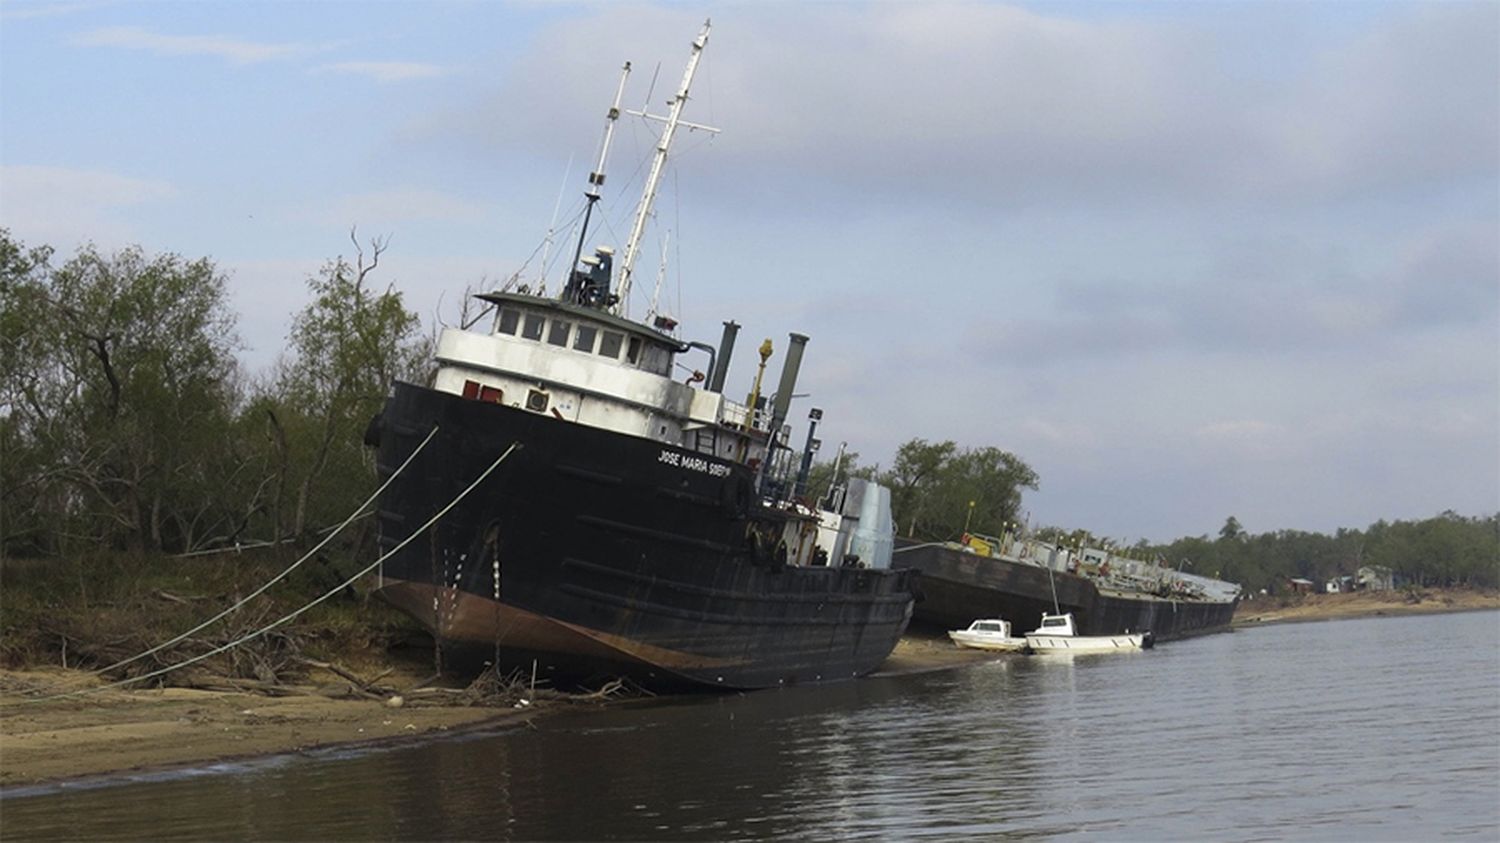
x=92, y=611
x=149, y=481
x=1446, y=550
x=128, y=425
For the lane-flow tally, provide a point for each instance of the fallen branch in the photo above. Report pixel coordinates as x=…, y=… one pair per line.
x=240, y=686
x=607, y=690
x=363, y=688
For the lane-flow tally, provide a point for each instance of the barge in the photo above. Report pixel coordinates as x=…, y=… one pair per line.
x=1022, y=579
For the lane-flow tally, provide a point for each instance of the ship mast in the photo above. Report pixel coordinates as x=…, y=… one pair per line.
x=596, y=178
x=661, y=274
x=648, y=197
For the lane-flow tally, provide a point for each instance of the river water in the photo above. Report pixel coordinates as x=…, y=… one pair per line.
x=1376, y=729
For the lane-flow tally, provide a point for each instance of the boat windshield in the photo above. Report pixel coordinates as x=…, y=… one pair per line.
x=1055, y=622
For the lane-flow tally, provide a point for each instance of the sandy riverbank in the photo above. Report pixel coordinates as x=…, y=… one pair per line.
x=1359, y=604
x=121, y=730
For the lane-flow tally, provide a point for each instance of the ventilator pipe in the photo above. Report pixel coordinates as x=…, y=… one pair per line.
x=789, y=370
x=726, y=348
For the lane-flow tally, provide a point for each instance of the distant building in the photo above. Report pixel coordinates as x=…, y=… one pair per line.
x=1300, y=585
x=1375, y=578
x=1339, y=585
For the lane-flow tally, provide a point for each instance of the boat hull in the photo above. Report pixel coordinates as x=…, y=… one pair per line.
x=998, y=645
x=958, y=586
x=596, y=553
x=1042, y=644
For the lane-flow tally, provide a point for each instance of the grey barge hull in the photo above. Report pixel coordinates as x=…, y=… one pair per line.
x=957, y=587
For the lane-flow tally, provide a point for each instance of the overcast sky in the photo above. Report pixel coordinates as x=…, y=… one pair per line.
x=1188, y=260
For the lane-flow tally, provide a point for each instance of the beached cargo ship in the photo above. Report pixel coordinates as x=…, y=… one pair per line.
x=1020, y=579
x=624, y=522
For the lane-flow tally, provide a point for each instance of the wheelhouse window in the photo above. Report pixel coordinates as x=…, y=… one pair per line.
x=583, y=338
x=633, y=352
x=509, y=319
x=559, y=334
x=532, y=329
x=609, y=344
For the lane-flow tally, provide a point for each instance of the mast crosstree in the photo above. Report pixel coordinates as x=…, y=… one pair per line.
x=658, y=161
x=591, y=285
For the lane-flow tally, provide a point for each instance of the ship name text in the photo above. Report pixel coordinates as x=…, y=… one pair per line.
x=692, y=463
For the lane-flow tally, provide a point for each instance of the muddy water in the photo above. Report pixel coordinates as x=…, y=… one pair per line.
x=1378, y=729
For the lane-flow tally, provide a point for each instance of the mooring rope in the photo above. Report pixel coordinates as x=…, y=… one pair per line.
x=274, y=624
x=283, y=575
x=241, y=548
x=236, y=548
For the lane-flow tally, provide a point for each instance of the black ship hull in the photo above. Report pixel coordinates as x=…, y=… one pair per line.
x=960, y=587
x=597, y=553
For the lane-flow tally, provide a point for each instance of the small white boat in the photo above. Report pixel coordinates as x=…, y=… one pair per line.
x=1059, y=634
x=989, y=634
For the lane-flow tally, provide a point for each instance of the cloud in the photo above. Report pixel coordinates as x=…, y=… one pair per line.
x=1278, y=295
x=383, y=210
x=1015, y=108
x=1406, y=106
x=1238, y=430
x=32, y=11
x=1059, y=434
x=66, y=207
x=229, y=49
x=1449, y=276
x=388, y=71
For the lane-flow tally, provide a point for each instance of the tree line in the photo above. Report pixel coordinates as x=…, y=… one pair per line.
x=941, y=490
x=127, y=423
x=1446, y=550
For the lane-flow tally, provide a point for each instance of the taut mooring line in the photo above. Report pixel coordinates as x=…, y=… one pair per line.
x=336, y=589
x=281, y=576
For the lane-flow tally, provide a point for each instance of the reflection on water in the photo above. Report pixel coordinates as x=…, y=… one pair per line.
x=1335, y=730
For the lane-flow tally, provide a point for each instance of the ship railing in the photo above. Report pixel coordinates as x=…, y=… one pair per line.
x=738, y=415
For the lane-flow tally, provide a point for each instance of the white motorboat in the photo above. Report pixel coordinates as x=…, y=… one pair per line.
x=989, y=634
x=1059, y=634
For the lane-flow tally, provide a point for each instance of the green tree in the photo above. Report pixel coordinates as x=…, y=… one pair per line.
x=347, y=346
x=119, y=386
x=913, y=476
x=27, y=390
x=1449, y=549
x=932, y=486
